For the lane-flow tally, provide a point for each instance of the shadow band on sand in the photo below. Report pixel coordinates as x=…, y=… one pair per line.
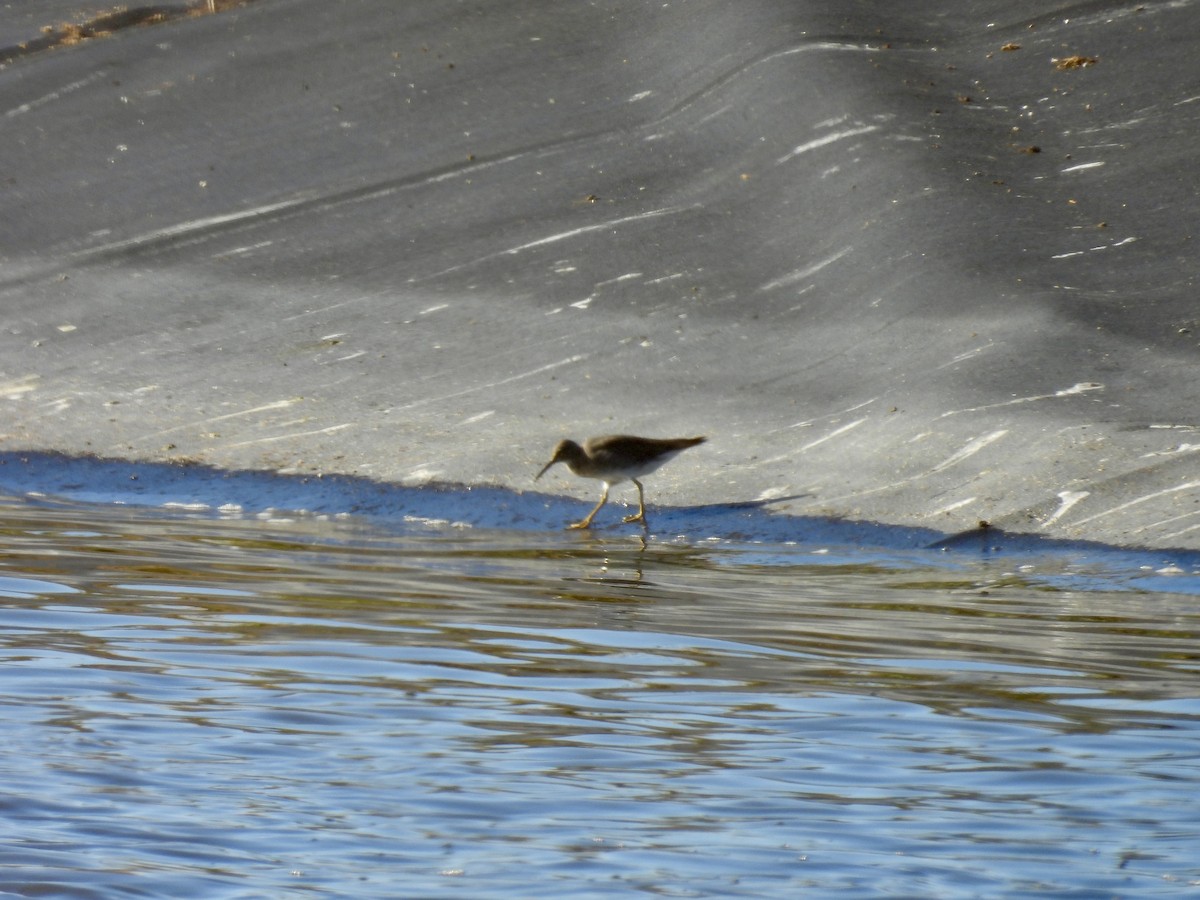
x=201, y=489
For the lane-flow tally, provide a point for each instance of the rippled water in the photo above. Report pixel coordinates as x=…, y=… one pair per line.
x=267, y=707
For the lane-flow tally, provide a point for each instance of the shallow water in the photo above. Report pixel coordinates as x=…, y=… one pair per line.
x=269, y=706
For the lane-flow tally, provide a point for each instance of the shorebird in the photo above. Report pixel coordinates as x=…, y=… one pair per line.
x=614, y=458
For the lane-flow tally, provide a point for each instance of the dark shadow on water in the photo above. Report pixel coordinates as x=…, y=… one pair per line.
x=207, y=490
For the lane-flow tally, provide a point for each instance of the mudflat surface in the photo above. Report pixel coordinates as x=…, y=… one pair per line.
x=919, y=268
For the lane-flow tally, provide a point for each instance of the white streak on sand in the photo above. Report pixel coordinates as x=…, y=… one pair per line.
x=800, y=274
x=806, y=423
x=1120, y=243
x=837, y=432
x=1182, y=448
x=278, y=404
x=963, y=357
x=1108, y=512
x=483, y=387
x=969, y=450
x=1169, y=520
x=1082, y=387
x=195, y=225
x=1067, y=499
x=619, y=278
x=827, y=139
x=1081, y=166
x=10, y=390
x=587, y=229
x=478, y=418
x=950, y=508
x=291, y=434
x=554, y=239
x=1180, y=533
x=670, y=277
x=54, y=95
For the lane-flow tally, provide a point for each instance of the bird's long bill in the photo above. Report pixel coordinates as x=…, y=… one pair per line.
x=544, y=468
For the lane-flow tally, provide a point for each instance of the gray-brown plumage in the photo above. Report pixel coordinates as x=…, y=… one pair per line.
x=614, y=458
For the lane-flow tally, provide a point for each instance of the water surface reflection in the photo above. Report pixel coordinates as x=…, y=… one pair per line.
x=236, y=708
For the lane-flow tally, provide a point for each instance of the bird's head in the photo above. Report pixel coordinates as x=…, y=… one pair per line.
x=564, y=452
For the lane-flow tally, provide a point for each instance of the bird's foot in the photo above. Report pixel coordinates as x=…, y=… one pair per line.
x=637, y=517
x=586, y=523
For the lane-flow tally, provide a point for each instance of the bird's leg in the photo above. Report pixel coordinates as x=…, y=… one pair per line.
x=641, y=513
x=587, y=523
